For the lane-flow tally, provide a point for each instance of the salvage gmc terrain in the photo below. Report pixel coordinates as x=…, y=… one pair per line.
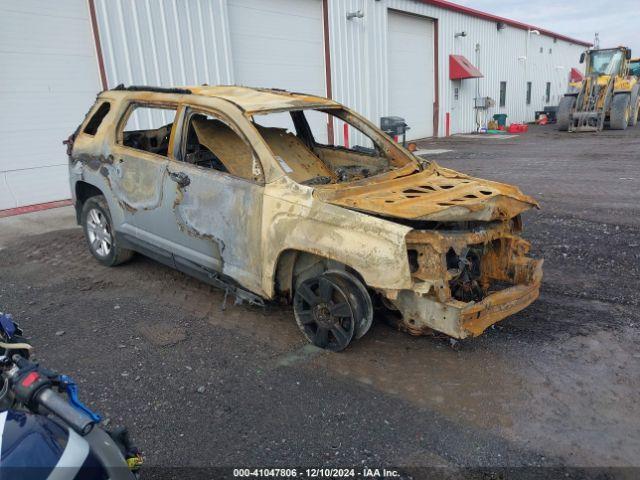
x=245, y=189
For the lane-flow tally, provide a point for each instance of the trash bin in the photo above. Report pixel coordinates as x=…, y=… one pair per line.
x=394, y=127
x=501, y=118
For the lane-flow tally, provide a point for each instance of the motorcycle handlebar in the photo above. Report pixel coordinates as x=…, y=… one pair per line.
x=57, y=405
x=45, y=396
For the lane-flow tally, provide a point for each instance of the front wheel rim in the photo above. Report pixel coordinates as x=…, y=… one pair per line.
x=99, y=233
x=324, y=314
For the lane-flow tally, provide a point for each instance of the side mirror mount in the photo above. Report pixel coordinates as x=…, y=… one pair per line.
x=582, y=55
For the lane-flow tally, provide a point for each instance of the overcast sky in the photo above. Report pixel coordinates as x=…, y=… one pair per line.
x=577, y=19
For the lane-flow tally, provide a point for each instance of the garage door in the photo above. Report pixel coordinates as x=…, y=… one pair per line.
x=278, y=43
x=411, y=72
x=48, y=80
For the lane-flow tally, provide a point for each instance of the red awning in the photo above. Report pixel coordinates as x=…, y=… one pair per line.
x=575, y=75
x=460, y=68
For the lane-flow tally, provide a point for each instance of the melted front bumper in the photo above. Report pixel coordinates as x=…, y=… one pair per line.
x=422, y=312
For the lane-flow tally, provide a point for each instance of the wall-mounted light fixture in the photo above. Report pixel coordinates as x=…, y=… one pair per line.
x=460, y=34
x=357, y=14
x=501, y=26
x=534, y=32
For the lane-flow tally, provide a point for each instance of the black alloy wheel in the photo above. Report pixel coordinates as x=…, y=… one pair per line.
x=323, y=313
x=359, y=299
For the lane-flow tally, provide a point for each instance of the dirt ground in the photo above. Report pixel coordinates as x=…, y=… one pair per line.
x=553, y=386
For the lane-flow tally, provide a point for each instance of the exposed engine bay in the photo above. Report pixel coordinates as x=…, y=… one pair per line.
x=465, y=269
x=479, y=272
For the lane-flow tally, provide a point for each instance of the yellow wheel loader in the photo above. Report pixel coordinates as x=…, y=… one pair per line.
x=607, y=94
x=634, y=70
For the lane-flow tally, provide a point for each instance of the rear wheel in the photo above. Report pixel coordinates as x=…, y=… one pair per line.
x=635, y=106
x=620, y=111
x=564, y=112
x=323, y=312
x=99, y=233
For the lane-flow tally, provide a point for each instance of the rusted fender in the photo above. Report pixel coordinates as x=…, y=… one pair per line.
x=294, y=219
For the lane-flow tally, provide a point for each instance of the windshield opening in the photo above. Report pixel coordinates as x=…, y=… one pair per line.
x=328, y=146
x=605, y=62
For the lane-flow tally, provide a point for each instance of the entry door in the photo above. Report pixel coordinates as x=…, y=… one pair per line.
x=216, y=212
x=411, y=72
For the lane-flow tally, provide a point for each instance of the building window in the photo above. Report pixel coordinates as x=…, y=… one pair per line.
x=503, y=94
x=528, y=93
x=547, y=93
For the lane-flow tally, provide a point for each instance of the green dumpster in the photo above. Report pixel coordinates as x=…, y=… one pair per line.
x=501, y=118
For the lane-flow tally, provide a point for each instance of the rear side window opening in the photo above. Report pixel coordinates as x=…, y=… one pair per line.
x=92, y=125
x=147, y=128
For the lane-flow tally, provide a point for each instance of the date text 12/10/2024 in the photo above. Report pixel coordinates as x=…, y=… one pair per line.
x=364, y=472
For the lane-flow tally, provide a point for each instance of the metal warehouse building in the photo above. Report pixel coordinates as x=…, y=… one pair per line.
x=417, y=59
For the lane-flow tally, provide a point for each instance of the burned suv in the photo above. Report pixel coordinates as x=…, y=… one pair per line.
x=257, y=191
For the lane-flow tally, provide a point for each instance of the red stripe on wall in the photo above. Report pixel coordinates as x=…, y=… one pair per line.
x=34, y=208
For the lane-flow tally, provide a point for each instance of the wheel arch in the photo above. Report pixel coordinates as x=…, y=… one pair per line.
x=293, y=263
x=83, y=191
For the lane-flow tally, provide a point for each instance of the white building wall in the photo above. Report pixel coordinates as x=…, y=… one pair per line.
x=359, y=62
x=48, y=80
x=165, y=42
x=180, y=42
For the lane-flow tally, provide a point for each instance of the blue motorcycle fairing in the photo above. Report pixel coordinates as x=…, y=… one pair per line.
x=32, y=441
x=32, y=446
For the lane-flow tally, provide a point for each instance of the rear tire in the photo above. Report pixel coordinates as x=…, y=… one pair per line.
x=99, y=233
x=564, y=112
x=620, y=111
x=635, y=106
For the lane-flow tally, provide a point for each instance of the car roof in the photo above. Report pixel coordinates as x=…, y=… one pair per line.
x=251, y=100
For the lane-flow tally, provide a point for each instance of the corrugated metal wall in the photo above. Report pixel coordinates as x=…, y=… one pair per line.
x=173, y=42
x=165, y=42
x=359, y=62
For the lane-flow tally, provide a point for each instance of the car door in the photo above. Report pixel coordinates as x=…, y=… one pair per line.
x=140, y=158
x=214, y=188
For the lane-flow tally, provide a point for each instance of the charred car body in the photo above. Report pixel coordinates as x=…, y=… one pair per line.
x=243, y=188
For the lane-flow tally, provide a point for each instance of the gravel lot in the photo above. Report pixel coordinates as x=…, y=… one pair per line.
x=555, y=385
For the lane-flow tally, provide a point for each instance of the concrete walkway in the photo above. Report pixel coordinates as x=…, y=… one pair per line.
x=13, y=229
